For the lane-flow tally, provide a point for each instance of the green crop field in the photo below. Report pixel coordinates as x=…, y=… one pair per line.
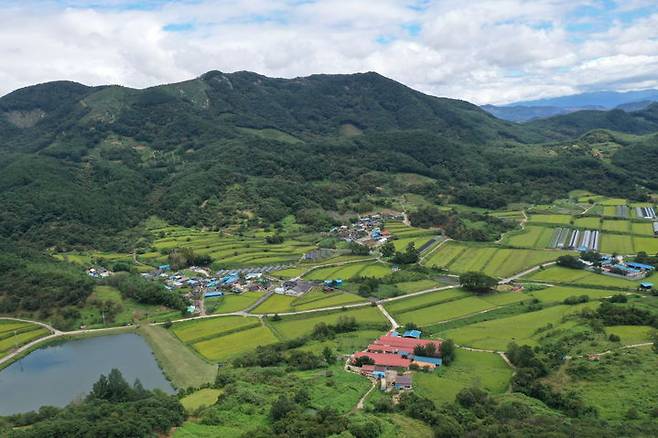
x=290, y=272
x=646, y=244
x=16, y=334
x=486, y=371
x=498, y=333
x=316, y=299
x=234, y=344
x=198, y=329
x=558, y=294
x=401, y=244
x=232, y=302
x=612, y=201
x=494, y=261
x=290, y=327
x=559, y=275
x=642, y=228
x=619, y=226
x=591, y=223
x=275, y=304
x=442, y=312
x=407, y=287
x=428, y=299
x=530, y=237
x=615, y=243
x=351, y=270
x=559, y=219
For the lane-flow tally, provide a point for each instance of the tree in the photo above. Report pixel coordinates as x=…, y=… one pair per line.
x=363, y=360
x=569, y=261
x=329, y=356
x=281, y=408
x=448, y=351
x=358, y=249
x=477, y=282
x=387, y=249
x=408, y=257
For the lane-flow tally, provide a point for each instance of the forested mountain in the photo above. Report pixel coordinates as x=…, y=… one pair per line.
x=85, y=165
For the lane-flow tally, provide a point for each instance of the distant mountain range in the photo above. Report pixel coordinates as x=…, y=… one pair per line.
x=597, y=101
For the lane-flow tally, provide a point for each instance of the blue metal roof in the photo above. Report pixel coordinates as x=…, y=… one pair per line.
x=213, y=294
x=646, y=284
x=640, y=266
x=412, y=334
x=433, y=360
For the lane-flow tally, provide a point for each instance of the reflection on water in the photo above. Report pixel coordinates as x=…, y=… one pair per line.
x=59, y=374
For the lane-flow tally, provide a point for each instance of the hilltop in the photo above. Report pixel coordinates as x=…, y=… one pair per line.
x=85, y=165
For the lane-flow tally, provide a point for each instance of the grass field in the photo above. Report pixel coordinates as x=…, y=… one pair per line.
x=612, y=201
x=199, y=399
x=401, y=244
x=291, y=327
x=631, y=334
x=180, y=364
x=616, y=243
x=290, y=272
x=559, y=219
x=198, y=329
x=229, y=346
x=498, y=333
x=616, y=383
x=494, y=261
x=487, y=371
x=14, y=334
x=317, y=298
x=351, y=270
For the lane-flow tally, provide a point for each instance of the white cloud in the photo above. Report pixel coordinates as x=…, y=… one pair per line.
x=486, y=51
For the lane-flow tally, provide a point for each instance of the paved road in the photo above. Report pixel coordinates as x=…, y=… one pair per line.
x=388, y=316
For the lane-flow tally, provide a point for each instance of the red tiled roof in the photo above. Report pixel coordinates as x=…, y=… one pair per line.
x=382, y=348
x=398, y=342
x=368, y=368
x=388, y=360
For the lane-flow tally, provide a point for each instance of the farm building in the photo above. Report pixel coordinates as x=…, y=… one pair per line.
x=617, y=267
x=646, y=212
x=655, y=229
x=213, y=294
x=394, y=351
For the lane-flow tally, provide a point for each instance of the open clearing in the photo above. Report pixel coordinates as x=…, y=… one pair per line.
x=487, y=371
x=498, y=333
x=200, y=398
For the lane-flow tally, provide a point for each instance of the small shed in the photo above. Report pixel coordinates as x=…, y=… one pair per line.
x=403, y=382
x=646, y=285
x=213, y=294
x=412, y=334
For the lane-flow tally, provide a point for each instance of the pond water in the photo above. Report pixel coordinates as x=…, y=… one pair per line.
x=59, y=374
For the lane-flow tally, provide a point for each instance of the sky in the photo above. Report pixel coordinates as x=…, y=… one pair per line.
x=483, y=51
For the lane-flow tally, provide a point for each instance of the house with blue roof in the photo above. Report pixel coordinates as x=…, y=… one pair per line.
x=412, y=334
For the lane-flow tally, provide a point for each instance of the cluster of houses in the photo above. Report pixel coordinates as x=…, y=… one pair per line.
x=392, y=356
x=98, y=272
x=294, y=288
x=618, y=267
x=368, y=230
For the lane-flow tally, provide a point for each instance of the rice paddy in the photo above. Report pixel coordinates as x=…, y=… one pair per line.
x=616, y=243
x=559, y=219
x=559, y=275
x=226, y=347
x=14, y=334
x=290, y=327
x=494, y=261
x=531, y=237
x=351, y=270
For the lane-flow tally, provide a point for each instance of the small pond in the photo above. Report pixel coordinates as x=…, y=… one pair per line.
x=58, y=374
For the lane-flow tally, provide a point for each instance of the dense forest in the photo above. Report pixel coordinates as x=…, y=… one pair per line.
x=83, y=166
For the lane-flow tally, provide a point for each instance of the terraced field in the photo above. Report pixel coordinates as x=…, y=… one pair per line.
x=617, y=243
x=617, y=226
x=558, y=219
x=193, y=331
x=646, y=244
x=14, y=334
x=345, y=272
x=590, y=223
x=232, y=302
x=228, y=346
x=642, y=228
